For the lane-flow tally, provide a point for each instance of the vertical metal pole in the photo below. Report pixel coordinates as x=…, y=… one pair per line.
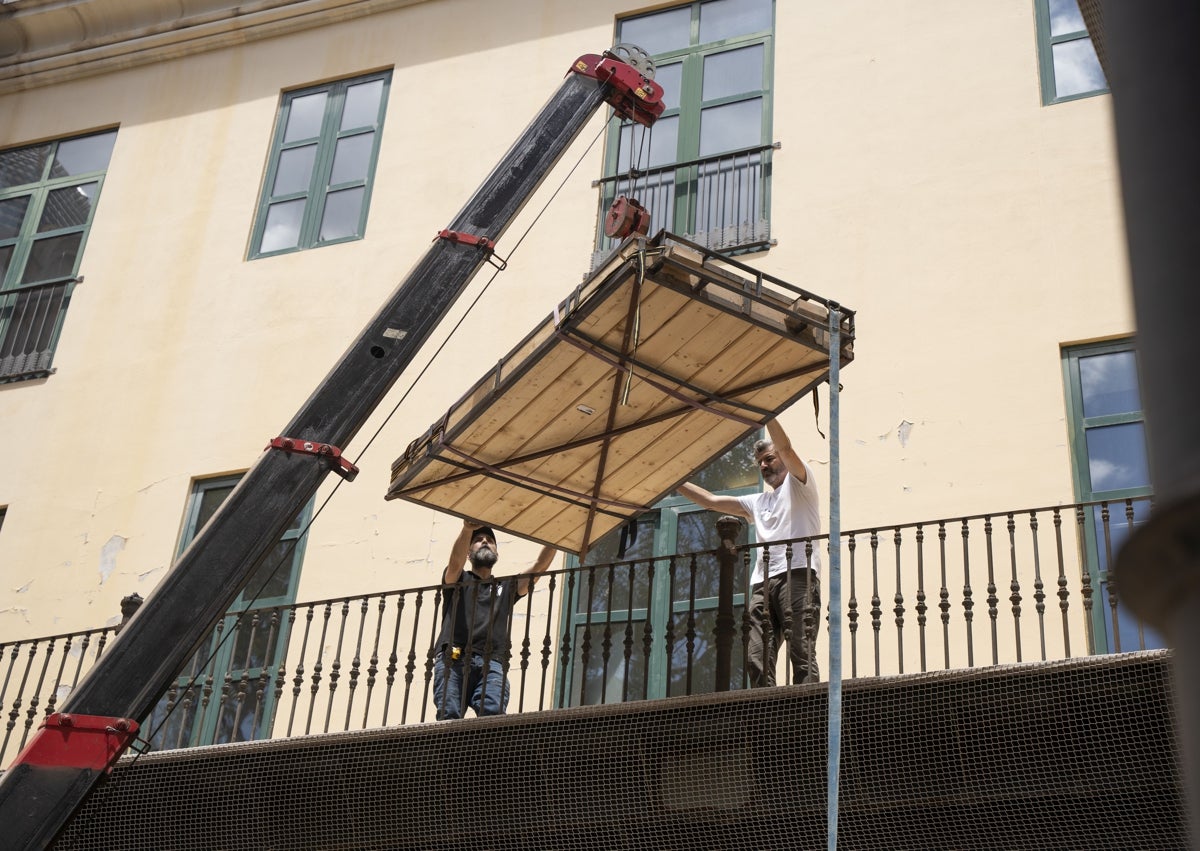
x=835, y=578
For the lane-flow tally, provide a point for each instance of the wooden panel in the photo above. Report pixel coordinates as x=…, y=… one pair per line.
x=663, y=359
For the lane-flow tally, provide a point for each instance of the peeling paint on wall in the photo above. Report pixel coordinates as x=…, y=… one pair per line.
x=23, y=588
x=903, y=431
x=108, y=556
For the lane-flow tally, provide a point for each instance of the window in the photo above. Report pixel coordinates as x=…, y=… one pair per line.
x=318, y=184
x=1108, y=448
x=201, y=714
x=703, y=169
x=48, y=197
x=613, y=611
x=1069, y=65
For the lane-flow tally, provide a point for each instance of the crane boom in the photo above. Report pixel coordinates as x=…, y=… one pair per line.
x=77, y=746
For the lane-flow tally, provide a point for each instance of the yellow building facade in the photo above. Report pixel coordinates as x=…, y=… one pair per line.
x=923, y=176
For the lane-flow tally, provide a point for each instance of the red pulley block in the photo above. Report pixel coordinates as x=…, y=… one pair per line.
x=626, y=216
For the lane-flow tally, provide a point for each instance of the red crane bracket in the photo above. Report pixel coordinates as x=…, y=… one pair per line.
x=633, y=96
x=483, y=242
x=88, y=742
x=331, y=454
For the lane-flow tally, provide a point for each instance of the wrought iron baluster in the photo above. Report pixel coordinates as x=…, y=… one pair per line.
x=585, y=646
x=547, y=644
x=898, y=600
x=525, y=651
x=210, y=675
x=373, y=662
x=788, y=616
x=852, y=608
x=318, y=666
x=876, y=602
x=922, y=607
x=410, y=659
x=264, y=674
x=606, y=635
x=356, y=662
x=993, y=599
x=1141, y=632
x=669, y=628
x=1039, y=594
x=52, y=700
x=944, y=594
x=564, y=653
x=1112, y=580
x=15, y=712
x=968, y=600
x=244, y=680
x=35, y=698
x=439, y=599
x=335, y=668
x=1085, y=579
x=298, y=680
x=628, y=636
x=691, y=623
x=648, y=639
x=1063, y=594
x=1014, y=585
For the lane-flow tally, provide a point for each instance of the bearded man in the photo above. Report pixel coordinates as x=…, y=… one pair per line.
x=470, y=666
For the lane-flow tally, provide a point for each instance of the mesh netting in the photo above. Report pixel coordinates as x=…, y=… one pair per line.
x=1074, y=754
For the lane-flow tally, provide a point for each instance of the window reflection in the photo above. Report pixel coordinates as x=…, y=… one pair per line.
x=730, y=127
x=721, y=19
x=294, y=173
x=305, y=116
x=85, y=155
x=1065, y=17
x=1117, y=457
x=1076, y=68
x=52, y=258
x=649, y=147
x=342, y=213
x=362, y=105
x=283, y=226
x=733, y=72
x=661, y=32
x=12, y=216
x=23, y=165
x=1109, y=383
x=352, y=158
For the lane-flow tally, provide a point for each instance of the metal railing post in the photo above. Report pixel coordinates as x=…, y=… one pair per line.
x=728, y=529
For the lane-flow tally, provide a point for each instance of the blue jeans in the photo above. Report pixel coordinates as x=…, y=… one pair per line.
x=488, y=695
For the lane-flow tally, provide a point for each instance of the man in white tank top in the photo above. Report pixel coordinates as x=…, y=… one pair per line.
x=785, y=605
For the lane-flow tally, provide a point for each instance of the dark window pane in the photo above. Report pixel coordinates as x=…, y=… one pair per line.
x=670, y=77
x=23, y=165
x=362, y=105
x=305, y=114
x=272, y=580
x=1065, y=17
x=721, y=19
x=211, y=498
x=730, y=127
x=733, y=72
x=294, y=173
x=1131, y=639
x=654, y=147
x=607, y=682
x=351, y=158
x=1076, y=68
x=255, y=639
x=735, y=469
x=68, y=207
x=283, y=225
x=659, y=33
x=236, y=721
x=1117, y=457
x=1110, y=384
x=12, y=215
x=1112, y=537
x=83, y=156
x=52, y=257
x=697, y=533
x=703, y=661
x=633, y=543
x=343, y=211
x=6, y=253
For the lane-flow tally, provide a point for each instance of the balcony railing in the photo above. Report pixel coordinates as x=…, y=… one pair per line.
x=720, y=202
x=962, y=592
x=29, y=318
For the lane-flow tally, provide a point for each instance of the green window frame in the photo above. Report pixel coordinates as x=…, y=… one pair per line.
x=1110, y=461
x=252, y=656
x=49, y=193
x=324, y=149
x=1067, y=59
x=626, y=593
x=703, y=170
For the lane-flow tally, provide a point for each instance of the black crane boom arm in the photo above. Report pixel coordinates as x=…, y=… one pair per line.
x=78, y=745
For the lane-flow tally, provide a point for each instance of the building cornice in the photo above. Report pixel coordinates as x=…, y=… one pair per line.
x=53, y=41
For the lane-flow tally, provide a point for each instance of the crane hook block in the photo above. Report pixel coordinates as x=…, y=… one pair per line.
x=633, y=95
x=626, y=216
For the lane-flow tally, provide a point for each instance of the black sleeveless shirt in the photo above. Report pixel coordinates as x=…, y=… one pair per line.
x=477, y=615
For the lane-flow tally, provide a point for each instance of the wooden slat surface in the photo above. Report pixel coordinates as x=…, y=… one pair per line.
x=675, y=356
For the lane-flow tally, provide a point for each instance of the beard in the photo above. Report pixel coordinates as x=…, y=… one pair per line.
x=483, y=558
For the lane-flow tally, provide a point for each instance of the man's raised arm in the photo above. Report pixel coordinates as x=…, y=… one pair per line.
x=459, y=550
x=526, y=580
x=783, y=448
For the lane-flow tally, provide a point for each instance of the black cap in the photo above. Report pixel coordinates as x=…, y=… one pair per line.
x=484, y=530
